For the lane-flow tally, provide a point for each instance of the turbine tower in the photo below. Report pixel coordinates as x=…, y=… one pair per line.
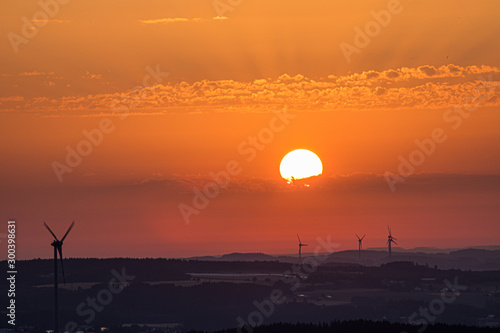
x=300, y=250
x=360, y=246
x=57, y=244
x=390, y=240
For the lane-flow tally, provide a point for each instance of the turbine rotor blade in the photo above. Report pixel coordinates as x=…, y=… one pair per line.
x=357, y=235
x=46, y=226
x=299, y=238
x=363, y=237
x=305, y=244
x=69, y=229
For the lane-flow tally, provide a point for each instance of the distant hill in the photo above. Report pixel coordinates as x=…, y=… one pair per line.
x=236, y=256
x=475, y=258
x=435, y=249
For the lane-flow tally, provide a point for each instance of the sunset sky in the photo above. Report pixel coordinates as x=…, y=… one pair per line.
x=116, y=113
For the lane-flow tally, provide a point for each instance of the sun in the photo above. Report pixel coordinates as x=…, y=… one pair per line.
x=300, y=164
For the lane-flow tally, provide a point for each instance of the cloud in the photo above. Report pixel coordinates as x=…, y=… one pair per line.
x=424, y=87
x=413, y=75
x=165, y=20
x=36, y=73
x=427, y=70
x=355, y=182
x=50, y=21
x=380, y=91
x=181, y=19
x=91, y=76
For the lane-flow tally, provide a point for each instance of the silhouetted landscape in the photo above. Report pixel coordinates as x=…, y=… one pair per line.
x=125, y=294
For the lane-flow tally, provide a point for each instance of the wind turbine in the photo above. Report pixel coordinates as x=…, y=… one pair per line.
x=57, y=244
x=360, y=246
x=390, y=240
x=300, y=250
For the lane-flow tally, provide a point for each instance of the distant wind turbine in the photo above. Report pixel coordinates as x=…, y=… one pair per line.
x=390, y=240
x=360, y=245
x=300, y=250
x=57, y=244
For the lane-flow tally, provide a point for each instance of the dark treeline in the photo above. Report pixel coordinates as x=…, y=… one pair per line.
x=354, y=326
x=40, y=271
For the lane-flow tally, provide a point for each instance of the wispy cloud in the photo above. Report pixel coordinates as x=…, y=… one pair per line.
x=359, y=182
x=165, y=20
x=180, y=19
x=50, y=21
x=36, y=73
x=12, y=99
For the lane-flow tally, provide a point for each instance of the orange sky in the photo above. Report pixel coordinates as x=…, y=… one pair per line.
x=158, y=95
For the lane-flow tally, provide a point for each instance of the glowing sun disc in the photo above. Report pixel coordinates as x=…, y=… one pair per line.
x=300, y=164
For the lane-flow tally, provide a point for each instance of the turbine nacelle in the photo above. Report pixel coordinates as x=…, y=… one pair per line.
x=57, y=244
x=360, y=244
x=390, y=240
x=300, y=243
